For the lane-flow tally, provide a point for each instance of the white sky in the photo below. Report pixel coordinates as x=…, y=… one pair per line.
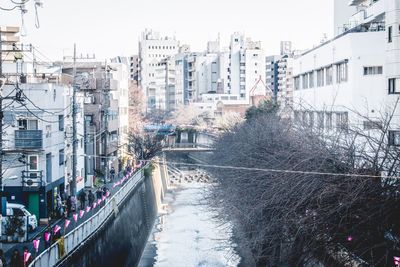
x=111, y=28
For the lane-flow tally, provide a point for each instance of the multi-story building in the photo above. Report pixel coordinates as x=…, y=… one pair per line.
x=246, y=66
x=101, y=110
x=354, y=78
x=36, y=136
x=153, y=50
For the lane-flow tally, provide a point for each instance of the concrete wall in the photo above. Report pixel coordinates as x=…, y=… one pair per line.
x=122, y=240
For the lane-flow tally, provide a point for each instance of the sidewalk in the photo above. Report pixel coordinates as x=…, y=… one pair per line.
x=8, y=248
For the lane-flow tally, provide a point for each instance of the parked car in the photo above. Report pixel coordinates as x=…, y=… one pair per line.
x=14, y=209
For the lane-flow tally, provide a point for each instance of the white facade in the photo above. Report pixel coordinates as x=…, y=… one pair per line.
x=153, y=49
x=354, y=77
x=120, y=73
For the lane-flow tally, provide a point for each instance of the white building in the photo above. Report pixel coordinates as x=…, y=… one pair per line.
x=354, y=77
x=153, y=49
x=36, y=135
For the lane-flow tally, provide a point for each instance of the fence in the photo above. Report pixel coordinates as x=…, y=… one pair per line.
x=75, y=238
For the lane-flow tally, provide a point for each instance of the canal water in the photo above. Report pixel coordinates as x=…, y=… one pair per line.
x=190, y=234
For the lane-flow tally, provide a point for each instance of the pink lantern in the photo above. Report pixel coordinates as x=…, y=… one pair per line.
x=56, y=229
x=87, y=209
x=107, y=194
x=94, y=205
x=67, y=222
x=47, y=236
x=36, y=244
x=98, y=201
x=81, y=212
x=75, y=216
x=350, y=238
x=27, y=255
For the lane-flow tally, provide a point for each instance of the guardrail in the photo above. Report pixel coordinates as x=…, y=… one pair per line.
x=77, y=236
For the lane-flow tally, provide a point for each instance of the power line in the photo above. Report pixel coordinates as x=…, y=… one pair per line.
x=275, y=170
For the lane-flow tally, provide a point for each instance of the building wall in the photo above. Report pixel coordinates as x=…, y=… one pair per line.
x=364, y=94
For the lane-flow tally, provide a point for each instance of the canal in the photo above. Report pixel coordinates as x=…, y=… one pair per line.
x=189, y=233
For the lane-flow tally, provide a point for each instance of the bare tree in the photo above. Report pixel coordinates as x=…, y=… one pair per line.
x=307, y=195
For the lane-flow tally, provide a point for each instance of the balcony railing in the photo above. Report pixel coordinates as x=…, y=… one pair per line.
x=28, y=139
x=31, y=180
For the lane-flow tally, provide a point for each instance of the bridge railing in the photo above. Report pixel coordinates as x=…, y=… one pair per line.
x=188, y=145
x=78, y=235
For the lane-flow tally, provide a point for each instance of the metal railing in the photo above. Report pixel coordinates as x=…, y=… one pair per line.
x=78, y=235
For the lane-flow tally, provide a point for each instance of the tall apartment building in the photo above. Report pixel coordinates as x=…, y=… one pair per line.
x=153, y=50
x=356, y=76
x=279, y=74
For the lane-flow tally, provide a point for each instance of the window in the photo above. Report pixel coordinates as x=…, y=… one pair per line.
x=392, y=86
x=320, y=78
x=61, y=122
x=296, y=116
x=296, y=83
x=394, y=138
x=371, y=125
x=342, y=121
x=61, y=157
x=320, y=120
x=390, y=33
x=329, y=75
x=311, y=79
x=18, y=212
x=374, y=70
x=341, y=72
x=305, y=81
x=328, y=122
x=33, y=162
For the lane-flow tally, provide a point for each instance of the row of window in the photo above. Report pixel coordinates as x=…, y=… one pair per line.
x=322, y=120
x=322, y=76
x=161, y=47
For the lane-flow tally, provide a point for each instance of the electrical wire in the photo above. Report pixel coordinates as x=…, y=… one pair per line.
x=9, y=9
x=20, y=3
x=274, y=170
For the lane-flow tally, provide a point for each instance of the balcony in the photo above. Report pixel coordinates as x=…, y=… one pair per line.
x=31, y=181
x=28, y=139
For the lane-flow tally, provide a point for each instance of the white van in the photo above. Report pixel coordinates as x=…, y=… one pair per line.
x=14, y=209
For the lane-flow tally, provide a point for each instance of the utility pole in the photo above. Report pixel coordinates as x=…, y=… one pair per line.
x=105, y=110
x=74, y=135
x=1, y=114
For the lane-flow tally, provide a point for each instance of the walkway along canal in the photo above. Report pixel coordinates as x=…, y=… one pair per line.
x=117, y=233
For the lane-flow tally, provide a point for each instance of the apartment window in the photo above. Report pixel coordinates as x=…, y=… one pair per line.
x=61, y=122
x=297, y=83
x=33, y=162
x=374, y=70
x=372, y=125
x=392, y=86
x=320, y=120
x=329, y=75
x=341, y=72
x=390, y=34
x=311, y=119
x=342, y=121
x=394, y=138
x=305, y=81
x=320, y=78
x=311, y=79
x=297, y=116
x=61, y=157
x=328, y=122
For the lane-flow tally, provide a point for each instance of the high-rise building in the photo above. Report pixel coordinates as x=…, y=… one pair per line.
x=153, y=50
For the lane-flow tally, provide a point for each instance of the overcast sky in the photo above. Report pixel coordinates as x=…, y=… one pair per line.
x=111, y=28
